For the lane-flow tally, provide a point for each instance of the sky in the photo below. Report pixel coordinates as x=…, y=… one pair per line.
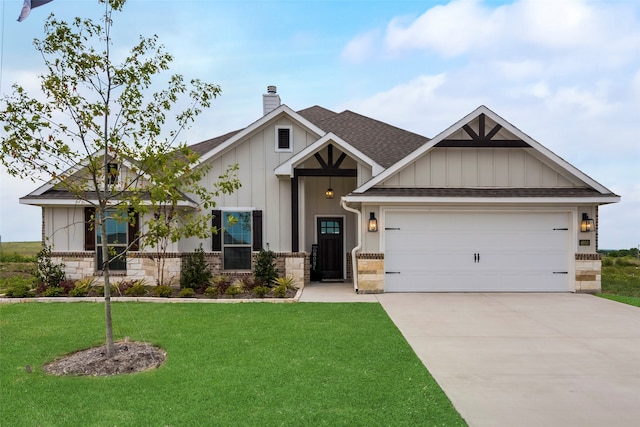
x=565, y=72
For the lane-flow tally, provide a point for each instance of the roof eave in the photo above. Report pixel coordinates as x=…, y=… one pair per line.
x=593, y=200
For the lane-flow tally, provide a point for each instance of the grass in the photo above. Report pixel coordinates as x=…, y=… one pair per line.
x=17, y=262
x=227, y=364
x=635, y=301
x=621, y=280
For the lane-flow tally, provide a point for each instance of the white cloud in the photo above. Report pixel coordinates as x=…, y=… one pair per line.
x=361, y=47
x=449, y=30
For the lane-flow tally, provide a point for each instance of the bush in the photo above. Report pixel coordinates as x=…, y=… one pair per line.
x=288, y=283
x=187, y=293
x=18, y=290
x=260, y=291
x=136, y=290
x=211, y=291
x=163, y=291
x=82, y=286
x=53, y=291
x=195, y=272
x=279, y=291
x=265, y=267
x=47, y=272
x=222, y=283
x=233, y=291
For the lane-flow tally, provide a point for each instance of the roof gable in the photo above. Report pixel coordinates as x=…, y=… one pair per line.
x=212, y=147
x=288, y=167
x=483, y=128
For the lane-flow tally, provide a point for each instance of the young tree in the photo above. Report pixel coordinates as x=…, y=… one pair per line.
x=100, y=111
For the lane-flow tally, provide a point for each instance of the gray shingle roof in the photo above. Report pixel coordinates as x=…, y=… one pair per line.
x=383, y=143
x=205, y=146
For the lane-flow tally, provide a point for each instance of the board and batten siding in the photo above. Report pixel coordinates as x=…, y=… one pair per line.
x=478, y=167
x=261, y=189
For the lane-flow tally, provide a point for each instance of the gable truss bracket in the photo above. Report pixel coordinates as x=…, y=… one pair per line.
x=483, y=139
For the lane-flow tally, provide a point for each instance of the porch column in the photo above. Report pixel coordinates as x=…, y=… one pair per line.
x=295, y=221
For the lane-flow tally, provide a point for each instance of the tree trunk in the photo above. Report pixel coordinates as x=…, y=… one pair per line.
x=107, y=285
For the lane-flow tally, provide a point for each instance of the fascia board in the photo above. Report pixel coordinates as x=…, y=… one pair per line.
x=287, y=168
x=73, y=202
x=257, y=124
x=481, y=200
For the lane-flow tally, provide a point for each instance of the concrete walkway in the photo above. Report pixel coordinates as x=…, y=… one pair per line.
x=524, y=359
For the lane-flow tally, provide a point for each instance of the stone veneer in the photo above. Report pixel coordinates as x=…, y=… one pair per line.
x=141, y=265
x=370, y=273
x=588, y=273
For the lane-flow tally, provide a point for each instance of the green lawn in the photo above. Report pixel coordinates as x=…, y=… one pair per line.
x=227, y=364
x=621, y=280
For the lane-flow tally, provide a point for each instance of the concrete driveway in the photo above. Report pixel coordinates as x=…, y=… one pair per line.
x=527, y=359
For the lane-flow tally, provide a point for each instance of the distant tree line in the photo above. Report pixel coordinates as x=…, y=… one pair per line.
x=621, y=253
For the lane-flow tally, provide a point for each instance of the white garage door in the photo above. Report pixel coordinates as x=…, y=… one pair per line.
x=476, y=252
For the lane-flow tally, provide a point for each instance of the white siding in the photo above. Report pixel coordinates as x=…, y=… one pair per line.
x=478, y=167
x=261, y=189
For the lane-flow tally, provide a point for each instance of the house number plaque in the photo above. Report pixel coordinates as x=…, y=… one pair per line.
x=585, y=242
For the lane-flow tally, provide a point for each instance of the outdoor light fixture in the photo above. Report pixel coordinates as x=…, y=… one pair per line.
x=373, y=222
x=586, y=224
x=329, y=193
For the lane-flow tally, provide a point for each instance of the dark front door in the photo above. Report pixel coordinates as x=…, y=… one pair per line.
x=330, y=247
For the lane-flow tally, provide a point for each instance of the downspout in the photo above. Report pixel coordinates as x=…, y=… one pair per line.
x=354, y=264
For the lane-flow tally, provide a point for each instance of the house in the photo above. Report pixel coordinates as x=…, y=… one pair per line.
x=480, y=207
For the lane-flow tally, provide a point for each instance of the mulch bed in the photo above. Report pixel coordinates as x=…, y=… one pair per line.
x=130, y=357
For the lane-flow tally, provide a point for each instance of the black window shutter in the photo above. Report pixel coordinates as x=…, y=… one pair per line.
x=134, y=228
x=89, y=229
x=216, y=222
x=257, y=230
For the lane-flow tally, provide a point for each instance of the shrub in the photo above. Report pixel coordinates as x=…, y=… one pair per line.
x=163, y=291
x=82, y=286
x=265, y=267
x=222, y=283
x=18, y=290
x=211, y=291
x=195, y=271
x=607, y=262
x=187, y=293
x=136, y=290
x=287, y=282
x=48, y=272
x=279, y=291
x=233, y=291
x=53, y=291
x=260, y=291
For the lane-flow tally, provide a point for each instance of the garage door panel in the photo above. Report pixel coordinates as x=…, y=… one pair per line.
x=476, y=252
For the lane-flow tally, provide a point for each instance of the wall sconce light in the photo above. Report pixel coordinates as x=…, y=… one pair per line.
x=373, y=222
x=586, y=224
x=329, y=193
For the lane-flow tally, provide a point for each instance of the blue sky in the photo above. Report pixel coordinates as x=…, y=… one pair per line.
x=566, y=72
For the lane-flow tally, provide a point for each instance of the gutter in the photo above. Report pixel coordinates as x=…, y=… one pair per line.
x=354, y=264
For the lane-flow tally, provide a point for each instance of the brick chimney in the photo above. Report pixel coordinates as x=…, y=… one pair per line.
x=270, y=100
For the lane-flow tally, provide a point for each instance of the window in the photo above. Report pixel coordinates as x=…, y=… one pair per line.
x=117, y=240
x=284, y=139
x=112, y=173
x=236, y=250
